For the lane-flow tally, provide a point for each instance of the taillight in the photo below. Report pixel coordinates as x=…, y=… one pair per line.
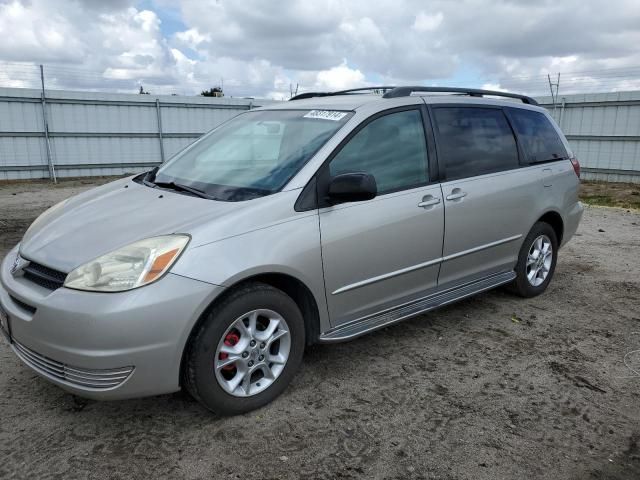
x=576, y=166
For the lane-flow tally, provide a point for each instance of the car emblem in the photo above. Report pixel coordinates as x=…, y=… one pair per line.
x=17, y=265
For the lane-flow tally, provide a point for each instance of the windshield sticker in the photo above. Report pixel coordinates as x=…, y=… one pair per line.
x=326, y=115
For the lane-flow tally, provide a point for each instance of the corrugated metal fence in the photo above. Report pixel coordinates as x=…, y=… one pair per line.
x=108, y=134
x=91, y=134
x=604, y=132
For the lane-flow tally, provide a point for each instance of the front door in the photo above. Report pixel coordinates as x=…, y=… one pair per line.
x=380, y=253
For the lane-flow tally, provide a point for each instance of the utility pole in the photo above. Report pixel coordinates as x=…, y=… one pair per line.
x=45, y=126
x=554, y=95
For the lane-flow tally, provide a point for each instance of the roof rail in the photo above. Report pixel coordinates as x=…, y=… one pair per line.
x=340, y=92
x=473, y=92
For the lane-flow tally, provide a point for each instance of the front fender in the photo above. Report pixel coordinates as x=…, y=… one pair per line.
x=291, y=248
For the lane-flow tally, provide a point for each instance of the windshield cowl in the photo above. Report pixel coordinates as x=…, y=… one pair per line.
x=223, y=193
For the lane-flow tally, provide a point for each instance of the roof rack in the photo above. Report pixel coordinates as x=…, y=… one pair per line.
x=473, y=92
x=341, y=92
x=395, y=92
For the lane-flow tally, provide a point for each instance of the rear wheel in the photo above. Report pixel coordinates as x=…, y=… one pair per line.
x=246, y=351
x=536, y=261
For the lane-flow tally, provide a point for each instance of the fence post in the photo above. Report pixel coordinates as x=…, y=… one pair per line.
x=159, y=115
x=45, y=126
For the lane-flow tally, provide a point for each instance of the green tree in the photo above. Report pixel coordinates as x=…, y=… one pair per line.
x=213, y=92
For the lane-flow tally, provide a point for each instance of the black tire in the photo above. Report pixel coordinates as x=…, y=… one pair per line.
x=198, y=375
x=521, y=285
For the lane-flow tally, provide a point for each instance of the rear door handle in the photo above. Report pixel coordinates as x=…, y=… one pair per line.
x=429, y=201
x=456, y=194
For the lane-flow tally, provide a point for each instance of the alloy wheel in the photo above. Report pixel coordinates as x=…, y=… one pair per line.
x=539, y=260
x=252, y=353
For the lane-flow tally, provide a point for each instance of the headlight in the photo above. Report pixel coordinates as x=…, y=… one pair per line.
x=129, y=267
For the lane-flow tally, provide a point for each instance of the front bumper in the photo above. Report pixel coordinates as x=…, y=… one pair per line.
x=104, y=345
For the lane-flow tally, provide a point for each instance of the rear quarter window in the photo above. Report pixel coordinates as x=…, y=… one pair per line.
x=539, y=139
x=474, y=141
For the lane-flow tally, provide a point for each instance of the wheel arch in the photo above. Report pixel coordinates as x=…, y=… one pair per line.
x=289, y=284
x=298, y=291
x=554, y=219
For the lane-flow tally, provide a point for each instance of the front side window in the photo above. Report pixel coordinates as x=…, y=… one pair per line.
x=254, y=154
x=474, y=141
x=539, y=139
x=392, y=148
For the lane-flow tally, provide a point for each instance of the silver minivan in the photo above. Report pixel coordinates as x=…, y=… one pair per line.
x=314, y=220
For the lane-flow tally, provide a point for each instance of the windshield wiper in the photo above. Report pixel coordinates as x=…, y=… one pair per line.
x=183, y=188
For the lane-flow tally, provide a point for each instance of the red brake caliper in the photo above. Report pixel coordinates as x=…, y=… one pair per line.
x=230, y=340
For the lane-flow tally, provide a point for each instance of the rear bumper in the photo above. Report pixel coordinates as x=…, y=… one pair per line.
x=571, y=221
x=104, y=345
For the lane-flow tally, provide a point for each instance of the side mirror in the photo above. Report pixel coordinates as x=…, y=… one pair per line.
x=352, y=187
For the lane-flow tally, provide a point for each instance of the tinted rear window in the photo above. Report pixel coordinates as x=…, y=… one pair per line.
x=539, y=139
x=474, y=141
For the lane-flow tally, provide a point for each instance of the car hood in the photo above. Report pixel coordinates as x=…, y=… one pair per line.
x=111, y=216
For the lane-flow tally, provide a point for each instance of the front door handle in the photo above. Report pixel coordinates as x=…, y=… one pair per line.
x=456, y=194
x=429, y=201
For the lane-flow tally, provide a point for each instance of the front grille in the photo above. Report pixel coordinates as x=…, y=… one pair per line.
x=44, y=276
x=74, y=376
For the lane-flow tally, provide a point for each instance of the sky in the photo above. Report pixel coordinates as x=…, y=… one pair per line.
x=265, y=48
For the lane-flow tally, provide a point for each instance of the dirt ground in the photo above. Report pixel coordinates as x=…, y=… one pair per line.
x=494, y=387
x=625, y=195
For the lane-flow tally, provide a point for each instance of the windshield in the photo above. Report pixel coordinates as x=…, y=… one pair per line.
x=252, y=155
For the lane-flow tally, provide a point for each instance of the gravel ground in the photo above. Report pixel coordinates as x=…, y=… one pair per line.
x=492, y=387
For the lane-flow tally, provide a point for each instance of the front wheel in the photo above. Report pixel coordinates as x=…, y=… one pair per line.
x=246, y=351
x=536, y=261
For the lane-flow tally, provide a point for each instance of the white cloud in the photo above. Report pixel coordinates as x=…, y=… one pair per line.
x=493, y=86
x=339, y=78
x=427, y=23
x=192, y=38
x=35, y=34
x=260, y=49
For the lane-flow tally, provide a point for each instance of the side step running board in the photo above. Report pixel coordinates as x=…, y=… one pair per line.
x=389, y=317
